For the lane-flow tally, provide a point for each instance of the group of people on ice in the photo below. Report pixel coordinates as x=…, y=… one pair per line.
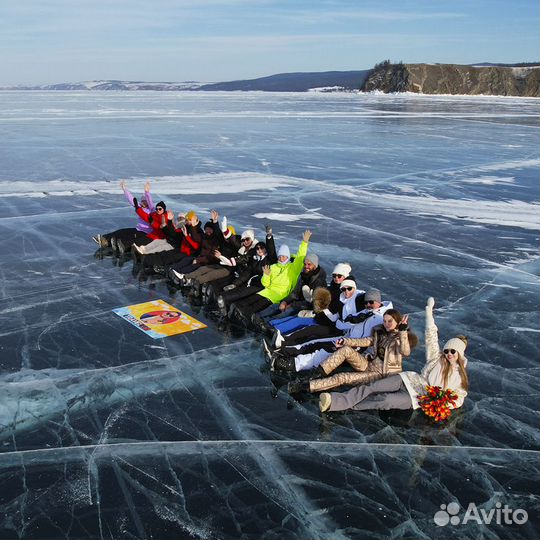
x=326, y=334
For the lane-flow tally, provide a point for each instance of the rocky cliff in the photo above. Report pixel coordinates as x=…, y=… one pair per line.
x=454, y=79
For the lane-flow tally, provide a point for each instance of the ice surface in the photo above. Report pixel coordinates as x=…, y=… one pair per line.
x=107, y=434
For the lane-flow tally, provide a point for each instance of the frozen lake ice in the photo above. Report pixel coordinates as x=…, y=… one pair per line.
x=106, y=433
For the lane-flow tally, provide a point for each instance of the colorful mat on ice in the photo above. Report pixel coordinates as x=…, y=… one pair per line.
x=158, y=319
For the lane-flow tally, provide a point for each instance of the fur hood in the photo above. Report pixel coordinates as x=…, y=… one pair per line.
x=321, y=299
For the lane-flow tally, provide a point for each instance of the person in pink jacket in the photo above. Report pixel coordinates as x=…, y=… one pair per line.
x=121, y=240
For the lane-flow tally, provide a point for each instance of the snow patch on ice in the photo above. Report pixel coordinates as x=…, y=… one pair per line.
x=211, y=184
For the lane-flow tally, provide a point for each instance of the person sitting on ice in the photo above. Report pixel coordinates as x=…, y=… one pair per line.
x=209, y=245
x=285, y=314
x=278, y=281
x=388, y=344
x=185, y=239
x=231, y=246
x=326, y=316
x=157, y=220
x=445, y=368
x=238, y=261
x=121, y=240
x=248, y=281
x=352, y=325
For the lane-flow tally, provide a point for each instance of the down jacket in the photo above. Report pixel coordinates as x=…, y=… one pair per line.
x=283, y=277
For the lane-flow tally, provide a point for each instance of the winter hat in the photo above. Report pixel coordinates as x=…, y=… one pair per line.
x=342, y=268
x=347, y=283
x=284, y=251
x=209, y=225
x=456, y=343
x=250, y=233
x=161, y=204
x=190, y=215
x=312, y=258
x=372, y=294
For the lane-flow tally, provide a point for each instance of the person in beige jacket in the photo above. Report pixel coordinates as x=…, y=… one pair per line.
x=390, y=342
x=446, y=368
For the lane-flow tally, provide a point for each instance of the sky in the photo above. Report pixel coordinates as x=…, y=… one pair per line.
x=53, y=41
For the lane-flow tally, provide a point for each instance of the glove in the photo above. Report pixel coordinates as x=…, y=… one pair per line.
x=135, y=203
x=306, y=314
x=429, y=311
x=402, y=326
x=268, y=229
x=359, y=318
x=307, y=293
x=223, y=225
x=229, y=287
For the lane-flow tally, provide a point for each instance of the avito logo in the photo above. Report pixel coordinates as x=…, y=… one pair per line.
x=501, y=515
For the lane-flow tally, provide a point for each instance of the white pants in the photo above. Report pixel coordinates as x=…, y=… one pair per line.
x=155, y=246
x=310, y=360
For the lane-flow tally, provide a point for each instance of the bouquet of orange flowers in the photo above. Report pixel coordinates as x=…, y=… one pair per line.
x=436, y=403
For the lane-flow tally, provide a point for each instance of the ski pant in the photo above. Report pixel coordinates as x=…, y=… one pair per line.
x=252, y=304
x=156, y=246
x=365, y=371
x=310, y=333
x=238, y=293
x=185, y=265
x=129, y=237
x=291, y=323
x=383, y=394
x=209, y=272
x=163, y=258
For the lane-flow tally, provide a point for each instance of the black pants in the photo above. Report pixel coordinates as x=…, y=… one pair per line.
x=185, y=265
x=309, y=333
x=252, y=304
x=237, y=294
x=163, y=258
x=129, y=237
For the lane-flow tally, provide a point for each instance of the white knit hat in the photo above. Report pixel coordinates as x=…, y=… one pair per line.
x=457, y=344
x=342, y=268
x=347, y=283
x=284, y=251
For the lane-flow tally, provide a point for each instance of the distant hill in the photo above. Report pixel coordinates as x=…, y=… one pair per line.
x=517, y=80
x=114, y=85
x=283, y=82
x=521, y=79
x=296, y=82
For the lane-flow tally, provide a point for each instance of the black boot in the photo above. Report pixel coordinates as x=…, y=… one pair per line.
x=316, y=373
x=281, y=362
x=297, y=387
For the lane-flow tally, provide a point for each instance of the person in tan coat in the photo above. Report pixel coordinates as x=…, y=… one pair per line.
x=390, y=342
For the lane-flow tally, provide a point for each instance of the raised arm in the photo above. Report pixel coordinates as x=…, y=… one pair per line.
x=302, y=251
x=431, y=338
x=127, y=194
x=148, y=196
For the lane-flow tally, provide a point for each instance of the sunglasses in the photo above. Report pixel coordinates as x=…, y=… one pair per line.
x=367, y=302
x=446, y=351
x=337, y=275
x=347, y=288
x=159, y=209
x=246, y=239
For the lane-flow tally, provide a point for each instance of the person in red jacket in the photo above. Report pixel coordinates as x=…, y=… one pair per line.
x=158, y=221
x=185, y=238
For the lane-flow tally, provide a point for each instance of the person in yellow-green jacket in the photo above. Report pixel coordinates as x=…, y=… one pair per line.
x=278, y=281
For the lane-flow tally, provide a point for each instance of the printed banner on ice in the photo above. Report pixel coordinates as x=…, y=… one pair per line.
x=159, y=319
